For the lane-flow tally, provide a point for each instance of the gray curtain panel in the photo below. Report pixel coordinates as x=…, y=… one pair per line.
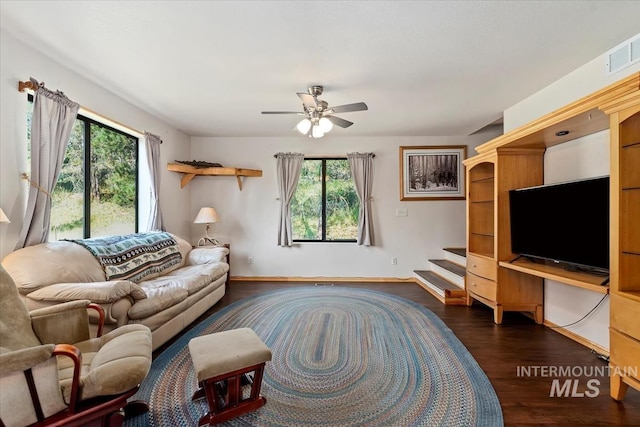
x=152, y=147
x=51, y=125
x=361, y=165
x=288, y=170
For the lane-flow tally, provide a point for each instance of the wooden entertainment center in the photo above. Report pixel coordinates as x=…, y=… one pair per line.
x=516, y=160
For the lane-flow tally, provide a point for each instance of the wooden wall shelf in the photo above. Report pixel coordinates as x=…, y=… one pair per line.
x=579, y=279
x=190, y=172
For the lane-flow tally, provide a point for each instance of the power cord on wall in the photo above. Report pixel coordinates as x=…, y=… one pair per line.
x=585, y=316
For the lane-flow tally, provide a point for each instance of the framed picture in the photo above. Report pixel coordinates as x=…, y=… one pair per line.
x=432, y=172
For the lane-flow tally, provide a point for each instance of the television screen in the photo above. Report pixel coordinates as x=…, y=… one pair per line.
x=566, y=222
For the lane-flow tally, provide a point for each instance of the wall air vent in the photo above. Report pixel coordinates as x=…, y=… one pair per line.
x=623, y=55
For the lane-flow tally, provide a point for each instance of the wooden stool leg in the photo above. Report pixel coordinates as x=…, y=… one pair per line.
x=233, y=391
x=235, y=403
x=257, y=382
x=214, y=400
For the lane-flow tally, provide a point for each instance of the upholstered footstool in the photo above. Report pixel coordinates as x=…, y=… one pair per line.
x=225, y=363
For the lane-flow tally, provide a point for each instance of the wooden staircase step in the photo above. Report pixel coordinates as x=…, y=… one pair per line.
x=441, y=288
x=454, y=268
x=458, y=251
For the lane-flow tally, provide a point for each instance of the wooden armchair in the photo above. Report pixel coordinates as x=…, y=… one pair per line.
x=52, y=373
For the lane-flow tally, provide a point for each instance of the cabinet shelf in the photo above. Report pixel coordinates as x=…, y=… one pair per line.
x=487, y=255
x=487, y=179
x=579, y=279
x=190, y=172
x=632, y=295
x=482, y=234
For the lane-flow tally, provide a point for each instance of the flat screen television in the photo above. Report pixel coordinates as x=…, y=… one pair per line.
x=566, y=223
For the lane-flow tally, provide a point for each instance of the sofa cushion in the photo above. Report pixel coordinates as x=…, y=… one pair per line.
x=158, y=299
x=207, y=255
x=62, y=261
x=184, y=247
x=192, y=277
x=134, y=256
x=99, y=292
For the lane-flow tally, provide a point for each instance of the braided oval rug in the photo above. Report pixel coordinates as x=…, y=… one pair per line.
x=341, y=357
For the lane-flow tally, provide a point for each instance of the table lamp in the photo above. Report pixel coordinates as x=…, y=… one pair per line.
x=207, y=216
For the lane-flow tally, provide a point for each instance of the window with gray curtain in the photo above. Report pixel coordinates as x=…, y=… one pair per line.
x=152, y=146
x=361, y=165
x=51, y=124
x=96, y=192
x=325, y=206
x=288, y=172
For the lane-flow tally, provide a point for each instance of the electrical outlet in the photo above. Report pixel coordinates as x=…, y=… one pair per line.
x=394, y=261
x=250, y=260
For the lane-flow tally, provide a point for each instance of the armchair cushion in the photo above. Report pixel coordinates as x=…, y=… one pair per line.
x=15, y=323
x=111, y=364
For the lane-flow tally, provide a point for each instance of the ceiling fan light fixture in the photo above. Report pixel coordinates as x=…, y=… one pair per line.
x=325, y=124
x=317, y=132
x=304, y=126
x=319, y=118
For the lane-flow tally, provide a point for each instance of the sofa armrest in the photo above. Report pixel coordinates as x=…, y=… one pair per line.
x=207, y=255
x=99, y=292
x=59, y=308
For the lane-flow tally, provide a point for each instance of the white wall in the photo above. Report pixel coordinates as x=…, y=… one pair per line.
x=250, y=217
x=587, y=79
x=20, y=62
x=582, y=158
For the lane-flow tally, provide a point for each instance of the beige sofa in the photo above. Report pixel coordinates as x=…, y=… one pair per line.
x=166, y=293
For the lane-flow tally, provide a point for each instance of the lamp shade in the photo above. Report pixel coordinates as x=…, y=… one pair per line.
x=325, y=124
x=304, y=126
x=207, y=216
x=317, y=132
x=3, y=217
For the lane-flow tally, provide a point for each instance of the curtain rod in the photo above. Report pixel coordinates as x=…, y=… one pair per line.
x=322, y=156
x=32, y=86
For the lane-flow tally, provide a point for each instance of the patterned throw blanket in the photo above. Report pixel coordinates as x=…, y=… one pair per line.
x=135, y=256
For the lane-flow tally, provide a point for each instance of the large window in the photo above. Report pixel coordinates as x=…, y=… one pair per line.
x=97, y=190
x=325, y=207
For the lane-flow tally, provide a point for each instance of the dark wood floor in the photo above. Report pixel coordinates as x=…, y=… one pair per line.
x=500, y=350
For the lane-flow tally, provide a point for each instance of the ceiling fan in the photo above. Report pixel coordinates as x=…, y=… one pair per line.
x=319, y=117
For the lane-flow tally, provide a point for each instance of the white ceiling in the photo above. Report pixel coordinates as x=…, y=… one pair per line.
x=423, y=67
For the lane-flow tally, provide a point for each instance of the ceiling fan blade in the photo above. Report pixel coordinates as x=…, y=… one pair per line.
x=339, y=122
x=307, y=100
x=358, y=106
x=283, y=112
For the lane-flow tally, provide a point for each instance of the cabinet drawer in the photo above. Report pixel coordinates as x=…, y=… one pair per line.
x=625, y=352
x=481, y=286
x=483, y=267
x=625, y=313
